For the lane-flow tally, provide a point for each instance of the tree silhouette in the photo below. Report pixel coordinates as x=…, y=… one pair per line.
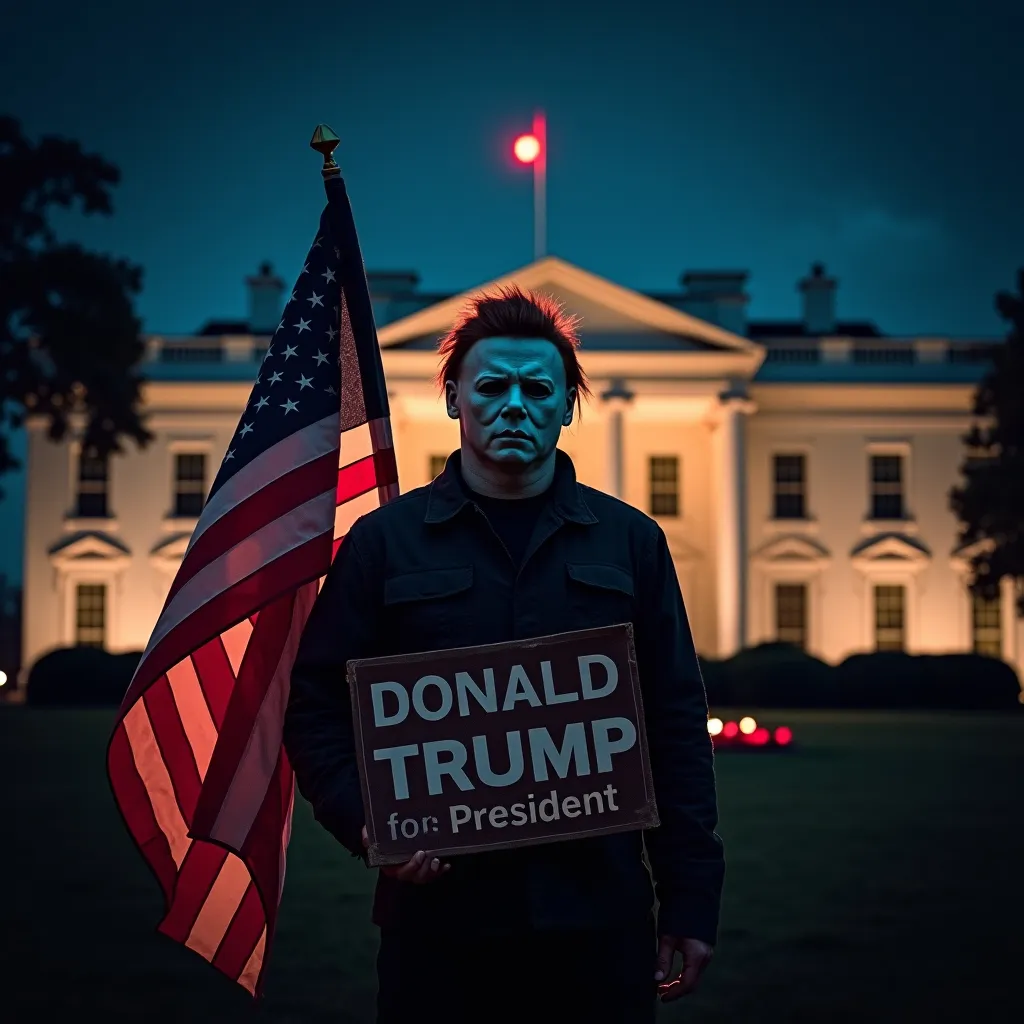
x=69, y=339
x=990, y=504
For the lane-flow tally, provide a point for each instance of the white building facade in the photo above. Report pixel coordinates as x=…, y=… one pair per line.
x=800, y=470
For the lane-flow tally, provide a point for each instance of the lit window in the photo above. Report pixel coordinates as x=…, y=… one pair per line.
x=987, y=625
x=791, y=614
x=663, y=478
x=790, y=487
x=437, y=464
x=91, y=500
x=890, y=618
x=887, y=487
x=90, y=614
x=189, y=483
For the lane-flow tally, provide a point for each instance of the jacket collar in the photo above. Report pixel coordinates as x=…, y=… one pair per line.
x=447, y=495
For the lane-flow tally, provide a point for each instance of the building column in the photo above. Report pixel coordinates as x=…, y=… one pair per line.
x=616, y=398
x=731, y=554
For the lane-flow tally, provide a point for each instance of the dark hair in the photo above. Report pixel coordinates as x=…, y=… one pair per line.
x=510, y=312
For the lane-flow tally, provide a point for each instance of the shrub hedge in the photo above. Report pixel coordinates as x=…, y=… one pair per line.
x=80, y=677
x=777, y=675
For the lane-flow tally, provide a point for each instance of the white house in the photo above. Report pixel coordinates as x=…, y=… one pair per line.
x=800, y=470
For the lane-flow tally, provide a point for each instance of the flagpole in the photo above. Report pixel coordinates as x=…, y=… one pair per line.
x=540, y=175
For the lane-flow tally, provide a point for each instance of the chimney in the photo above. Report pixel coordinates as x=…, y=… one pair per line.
x=718, y=297
x=392, y=294
x=819, y=292
x=265, y=292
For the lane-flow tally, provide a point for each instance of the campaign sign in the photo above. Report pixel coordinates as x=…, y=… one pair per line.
x=502, y=745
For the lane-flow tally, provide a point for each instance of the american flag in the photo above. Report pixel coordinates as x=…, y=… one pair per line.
x=195, y=761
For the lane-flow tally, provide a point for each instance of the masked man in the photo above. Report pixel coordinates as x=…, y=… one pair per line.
x=506, y=545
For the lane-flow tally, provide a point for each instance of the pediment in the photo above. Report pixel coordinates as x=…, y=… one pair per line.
x=792, y=550
x=89, y=549
x=167, y=555
x=614, y=317
x=890, y=551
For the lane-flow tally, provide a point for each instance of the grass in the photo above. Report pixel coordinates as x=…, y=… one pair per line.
x=874, y=874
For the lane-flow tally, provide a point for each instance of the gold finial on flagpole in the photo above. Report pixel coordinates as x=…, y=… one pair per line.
x=324, y=141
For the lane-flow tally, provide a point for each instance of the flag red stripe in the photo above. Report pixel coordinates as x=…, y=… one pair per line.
x=198, y=872
x=279, y=497
x=216, y=677
x=174, y=746
x=137, y=810
x=257, y=671
x=242, y=935
x=307, y=562
x=355, y=479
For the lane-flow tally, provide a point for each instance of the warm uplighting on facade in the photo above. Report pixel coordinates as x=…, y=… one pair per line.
x=747, y=725
x=714, y=726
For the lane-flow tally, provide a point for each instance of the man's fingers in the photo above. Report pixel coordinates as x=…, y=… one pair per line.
x=693, y=967
x=420, y=869
x=663, y=961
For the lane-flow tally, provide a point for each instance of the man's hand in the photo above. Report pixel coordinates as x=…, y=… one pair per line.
x=696, y=956
x=419, y=869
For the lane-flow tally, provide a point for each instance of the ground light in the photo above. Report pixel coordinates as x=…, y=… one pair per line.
x=747, y=734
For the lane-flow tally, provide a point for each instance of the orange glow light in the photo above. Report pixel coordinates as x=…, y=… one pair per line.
x=527, y=148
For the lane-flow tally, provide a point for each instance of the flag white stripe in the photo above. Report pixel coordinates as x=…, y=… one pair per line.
x=348, y=512
x=194, y=713
x=356, y=444
x=149, y=763
x=219, y=907
x=293, y=451
x=250, y=974
x=235, y=641
x=286, y=533
x=248, y=788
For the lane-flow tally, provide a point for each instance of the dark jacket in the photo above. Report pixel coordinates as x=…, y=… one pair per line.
x=427, y=572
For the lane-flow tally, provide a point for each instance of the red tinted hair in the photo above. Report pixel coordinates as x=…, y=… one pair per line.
x=510, y=312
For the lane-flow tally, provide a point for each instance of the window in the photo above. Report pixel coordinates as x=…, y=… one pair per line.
x=90, y=614
x=887, y=487
x=189, y=483
x=890, y=618
x=437, y=463
x=791, y=614
x=91, y=501
x=664, y=485
x=987, y=625
x=790, y=473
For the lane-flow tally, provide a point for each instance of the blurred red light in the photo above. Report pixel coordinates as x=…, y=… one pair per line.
x=527, y=148
x=730, y=730
x=783, y=735
x=759, y=737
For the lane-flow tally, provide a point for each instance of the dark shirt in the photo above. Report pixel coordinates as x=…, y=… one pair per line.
x=512, y=519
x=427, y=571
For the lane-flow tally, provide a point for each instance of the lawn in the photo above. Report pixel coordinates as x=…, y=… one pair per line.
x=874, y=874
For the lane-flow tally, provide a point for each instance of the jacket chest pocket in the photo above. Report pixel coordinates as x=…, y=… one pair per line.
x=428, y=610
x=599, y=594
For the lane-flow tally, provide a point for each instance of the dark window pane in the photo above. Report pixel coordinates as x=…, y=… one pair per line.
x=90, y=614
x=890, y=618
x=791, y=614
x=987, y=625
x=91, y=499
x=789, y=490
x=887, y=487
x=663, y=485
x=189, y=483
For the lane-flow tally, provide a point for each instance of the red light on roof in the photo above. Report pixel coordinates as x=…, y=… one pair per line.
x=783, y=735
x=730, y=729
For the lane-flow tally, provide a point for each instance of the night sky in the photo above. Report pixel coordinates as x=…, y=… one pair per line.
x=883, y=137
